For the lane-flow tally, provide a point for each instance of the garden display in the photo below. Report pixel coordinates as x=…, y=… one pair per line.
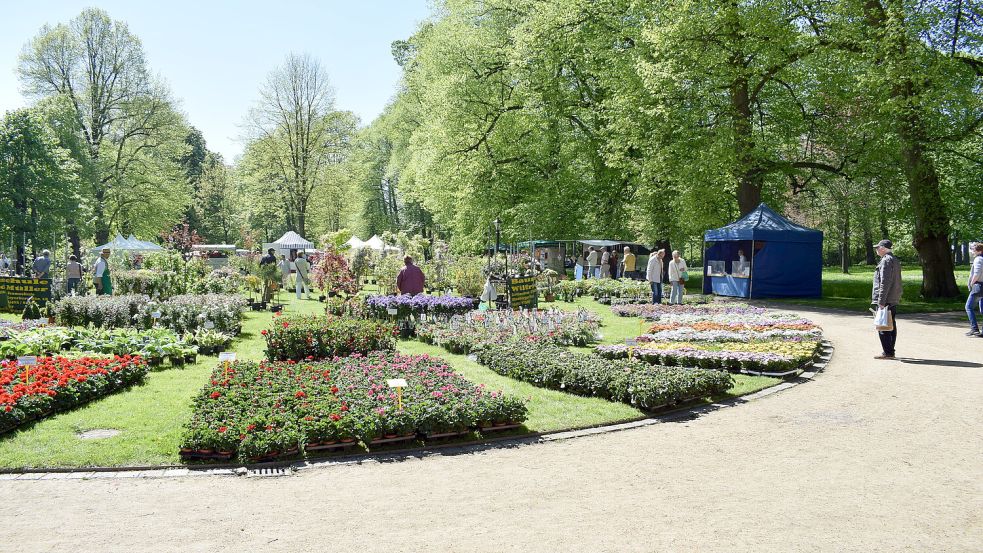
x=8, y=328
x=28, y=393
x=462, y=333
x=181, y=313
x=296, y=337
x=260, y=411
x=629, y=381
x=654, y=311
x=154, y=345
x=419, y=305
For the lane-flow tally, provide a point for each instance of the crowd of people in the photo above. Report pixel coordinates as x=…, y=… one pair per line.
x=606, y=263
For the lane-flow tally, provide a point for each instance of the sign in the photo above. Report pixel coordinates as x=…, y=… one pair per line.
x=155, y=314
x=631, y=342
x=14, y=292
x=27, y=360
x=522, y=292
x=392, y=310
x=396, y=382
x=227, y=357
x=209, y=325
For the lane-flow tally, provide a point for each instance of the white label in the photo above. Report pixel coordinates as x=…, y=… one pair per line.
x=396, y=382
x=227, y=356
x=209, y=325
x=27, y=360
x=631, y=342
x=155, y=314
x=392, y=310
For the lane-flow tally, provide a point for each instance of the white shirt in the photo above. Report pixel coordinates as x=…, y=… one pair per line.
x=99, y=268
x=592, y=258
x=653, y=272
x=976, y=275
x=675, y=268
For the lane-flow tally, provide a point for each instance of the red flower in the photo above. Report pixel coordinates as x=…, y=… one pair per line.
x=264, y=332
x=285, y=324
x=335, y=417
x=344, y=406
x=215, y=395
x=251, y=427
x=222, y=429
x=300, y=393
x=334, y=389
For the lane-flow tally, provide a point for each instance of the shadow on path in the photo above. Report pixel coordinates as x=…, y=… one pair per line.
x=939, y=362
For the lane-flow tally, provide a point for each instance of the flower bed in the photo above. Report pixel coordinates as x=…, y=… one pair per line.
x=686, y=334
x=184, y=313
x=323, y=337
x=706, y=359
x=657, y=310
x=152, y=345
x=57, y=383
x=262, y=410
x=634, y=382
x=461, y=334
x=10, y=328
x=420, y=304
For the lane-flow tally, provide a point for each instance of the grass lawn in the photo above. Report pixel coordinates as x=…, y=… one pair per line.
x=150, y=416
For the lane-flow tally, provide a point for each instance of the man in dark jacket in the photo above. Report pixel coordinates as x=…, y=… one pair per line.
x=270, y=257
x=410, y=279
x=887, y=294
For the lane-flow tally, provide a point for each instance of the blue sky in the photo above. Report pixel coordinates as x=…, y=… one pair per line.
x=215, y=54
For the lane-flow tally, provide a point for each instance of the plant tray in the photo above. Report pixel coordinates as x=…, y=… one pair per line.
x=397, y=439
x=207, y=456
x=328, y=447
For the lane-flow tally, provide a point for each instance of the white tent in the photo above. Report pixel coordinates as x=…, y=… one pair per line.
x=147, y=246
x=128, y=244
x=293, y=241
x=355, y=243
x=377, y=244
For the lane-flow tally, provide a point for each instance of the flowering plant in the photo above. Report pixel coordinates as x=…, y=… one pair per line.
x=419, y=304
x=332, y=274
x=461, y=334
x=323, y=337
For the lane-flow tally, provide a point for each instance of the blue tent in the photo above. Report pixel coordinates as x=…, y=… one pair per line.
x=782, y=259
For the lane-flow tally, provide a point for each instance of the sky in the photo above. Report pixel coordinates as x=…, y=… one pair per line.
x=214, y=54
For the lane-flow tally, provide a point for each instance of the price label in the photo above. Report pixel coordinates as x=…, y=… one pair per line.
x=631, y=342
x=227, y=356
x=392, y=311
x=209, y=325
x=27, y=360
x=155, y=314
x=396, y=382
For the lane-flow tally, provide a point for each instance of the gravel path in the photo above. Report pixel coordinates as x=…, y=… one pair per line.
x=871, y=456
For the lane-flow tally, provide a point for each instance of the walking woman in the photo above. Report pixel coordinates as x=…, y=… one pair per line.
x=678, y=274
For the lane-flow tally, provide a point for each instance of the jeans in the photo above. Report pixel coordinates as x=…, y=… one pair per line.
x=676, y=294
x=73, y=284
x=974, y=303
x=656, y=292
x=888, y=338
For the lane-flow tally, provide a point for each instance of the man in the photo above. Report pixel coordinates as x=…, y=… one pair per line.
x=628, y=264
x=974, y=302
x=592, y=262
x=653, y=274
x=4, y=262
x=42, y=265
x=886, y=294
x=410, y=279
x=302, y=282
x=100, y=274
x=270, y=257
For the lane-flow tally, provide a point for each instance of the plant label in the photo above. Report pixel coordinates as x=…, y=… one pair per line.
x=392, y=311
x=155, y=314
x=209, y=325
x=396, y=382
x=227, y=357
x=27, y=360
x=631, y=342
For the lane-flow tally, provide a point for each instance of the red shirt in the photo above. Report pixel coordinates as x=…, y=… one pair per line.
x=410, y=280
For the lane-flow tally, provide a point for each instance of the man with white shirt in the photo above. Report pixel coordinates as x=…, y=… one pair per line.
x=653, y=274
x=974, y=302
x=100, y=274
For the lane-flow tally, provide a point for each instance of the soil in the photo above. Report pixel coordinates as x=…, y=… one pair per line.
x=870, y=456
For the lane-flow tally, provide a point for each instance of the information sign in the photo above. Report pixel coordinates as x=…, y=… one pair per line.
x=14, y=292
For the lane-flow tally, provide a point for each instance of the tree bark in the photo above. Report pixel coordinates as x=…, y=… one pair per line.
x=845, y=243
x=870, y=256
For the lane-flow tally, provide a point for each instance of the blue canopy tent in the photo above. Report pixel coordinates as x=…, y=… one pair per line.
x=782, y=259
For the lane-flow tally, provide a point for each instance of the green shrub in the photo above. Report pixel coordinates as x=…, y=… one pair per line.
x=323, y=337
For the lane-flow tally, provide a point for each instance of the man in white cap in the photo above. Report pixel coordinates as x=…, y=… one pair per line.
x=887, y=294
x=42, y=265
x=100, y=274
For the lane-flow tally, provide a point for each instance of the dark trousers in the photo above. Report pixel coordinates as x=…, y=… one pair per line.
x=656, y=292
x=888, y=338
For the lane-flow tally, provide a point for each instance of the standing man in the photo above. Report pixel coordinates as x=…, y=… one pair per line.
x=886, y=294
x=974, y=302
x=42, y=265
x=411, y=279
x=302, y=282
x=100, y=274
x=270, y=257
x=628, y=264
x=653, y=274
x=591, y=262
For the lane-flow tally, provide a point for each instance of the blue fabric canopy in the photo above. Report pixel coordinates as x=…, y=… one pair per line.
x=786, y=258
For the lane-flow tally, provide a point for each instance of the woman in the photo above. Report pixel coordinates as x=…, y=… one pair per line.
x=606, y=262
x=677, y=272
x=614, y=264
x=284, y=267
x=73, y=272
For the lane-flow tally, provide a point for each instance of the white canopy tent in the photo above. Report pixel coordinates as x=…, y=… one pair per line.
x=355, y=243
x=377, y=244
x=293, y=241
x=128, y=244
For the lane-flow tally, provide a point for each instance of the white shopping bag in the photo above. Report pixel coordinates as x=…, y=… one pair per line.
x=882, y=320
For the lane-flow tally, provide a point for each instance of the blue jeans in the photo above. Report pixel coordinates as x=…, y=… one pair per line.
x=656, y=292
x=73, y=284
x=974, y=303
x=676, y=295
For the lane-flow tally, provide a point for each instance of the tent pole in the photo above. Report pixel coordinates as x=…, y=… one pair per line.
x=706, y=277
x=750, y=284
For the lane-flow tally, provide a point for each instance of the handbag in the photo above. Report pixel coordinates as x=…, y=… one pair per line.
x=883, y=322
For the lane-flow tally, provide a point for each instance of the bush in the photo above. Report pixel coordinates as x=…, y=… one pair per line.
x=461, y=334
x=262, y=409
x=184, y=313
x=419, y=304
x=224, y=280
x=156, y=284
x=323, y=337
x=629, y=381
x=99, y=311
x=331, y=274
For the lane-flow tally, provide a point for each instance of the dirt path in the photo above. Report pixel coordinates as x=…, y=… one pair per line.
x=871, y=456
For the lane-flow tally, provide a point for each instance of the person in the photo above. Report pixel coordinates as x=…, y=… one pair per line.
x=302, y=282
x=628, y=264
x=270, y=257
x=284, y=266
x=411, y=279
x=740, y=256
x=886, y=294
x=42, y=265
x=100, y=274
x=677, y=269
x=605, y=263
x=974, y=302
x=592, y=262
x=578, y=269
x=73, y=273
x=653, y=274
x=4, y=262
x=613, y=264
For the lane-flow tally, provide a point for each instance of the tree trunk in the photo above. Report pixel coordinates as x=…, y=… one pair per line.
x=74, y=239
x=99, y=217
x=845, y=243
x=870, y=256
x=748, y=174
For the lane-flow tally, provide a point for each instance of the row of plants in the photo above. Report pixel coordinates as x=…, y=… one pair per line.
x=462, y=334
x=309, y=337
x=264, y=410
x=654, y=311
x=406, y=305
x=181, y=313
x=729, y=360
x=58, y=383
x=9, y=328
x=685, y=334
x=630, y=381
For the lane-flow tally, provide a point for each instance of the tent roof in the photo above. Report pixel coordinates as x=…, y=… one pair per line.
x=764, y=224
x=128, y=244
x=355, y=243
x=293, y=241
x=376, y=243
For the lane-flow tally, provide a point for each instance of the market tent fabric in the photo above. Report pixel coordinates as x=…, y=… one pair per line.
x=376, y=243
x=293, y=241
x=126, y=244
x=786, y=258
x=355, y=243
x=147, y=246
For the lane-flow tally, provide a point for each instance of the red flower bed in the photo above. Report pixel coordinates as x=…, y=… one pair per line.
x=56, y=384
